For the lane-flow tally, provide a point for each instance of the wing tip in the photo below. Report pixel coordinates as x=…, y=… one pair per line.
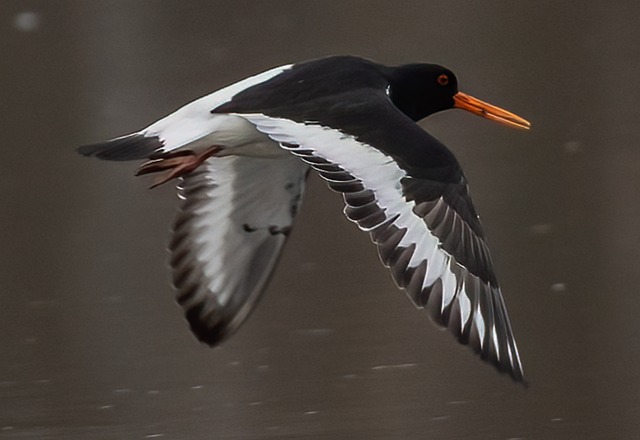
x=207, y=329
x=516, y=374
x=501, y=353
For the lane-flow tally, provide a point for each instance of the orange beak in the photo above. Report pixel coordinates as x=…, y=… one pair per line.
x=481, y=108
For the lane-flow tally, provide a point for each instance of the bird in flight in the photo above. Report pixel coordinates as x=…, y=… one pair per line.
x=243, y=153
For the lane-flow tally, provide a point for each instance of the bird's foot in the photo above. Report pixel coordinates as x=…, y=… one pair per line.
x=175, y=164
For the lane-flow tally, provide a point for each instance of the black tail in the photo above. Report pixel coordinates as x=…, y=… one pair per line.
x=132, y=147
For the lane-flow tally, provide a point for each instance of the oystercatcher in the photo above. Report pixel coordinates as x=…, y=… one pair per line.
x=243, y=154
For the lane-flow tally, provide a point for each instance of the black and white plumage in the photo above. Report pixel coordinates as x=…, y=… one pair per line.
x=243, y=153
x=235, y=216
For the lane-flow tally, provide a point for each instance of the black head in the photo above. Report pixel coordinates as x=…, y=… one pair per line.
x=420, y=90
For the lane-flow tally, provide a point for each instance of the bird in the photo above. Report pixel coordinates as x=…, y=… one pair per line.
x=242, y=155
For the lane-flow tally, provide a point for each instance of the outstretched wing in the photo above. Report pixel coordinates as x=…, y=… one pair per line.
x=426, y=228
x=234, y=219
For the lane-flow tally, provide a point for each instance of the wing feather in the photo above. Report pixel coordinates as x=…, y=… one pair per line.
x=426, y=232
x=230, y=229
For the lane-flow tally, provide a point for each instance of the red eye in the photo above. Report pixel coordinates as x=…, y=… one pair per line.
x=443, y=79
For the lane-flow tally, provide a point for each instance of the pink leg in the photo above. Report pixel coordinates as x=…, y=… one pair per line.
x=177, y=164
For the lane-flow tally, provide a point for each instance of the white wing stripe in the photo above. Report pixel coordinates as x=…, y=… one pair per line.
x=364, y=161
x=382, y=176
x=372, y=186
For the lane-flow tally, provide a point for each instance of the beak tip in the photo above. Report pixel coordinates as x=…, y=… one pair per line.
x=486, y=110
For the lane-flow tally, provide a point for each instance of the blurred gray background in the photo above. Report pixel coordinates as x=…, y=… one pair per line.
x=92, y=345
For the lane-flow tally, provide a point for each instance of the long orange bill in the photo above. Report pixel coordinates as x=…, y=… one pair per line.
x=481, y=108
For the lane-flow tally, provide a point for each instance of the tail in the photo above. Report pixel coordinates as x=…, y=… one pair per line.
x=130, y=147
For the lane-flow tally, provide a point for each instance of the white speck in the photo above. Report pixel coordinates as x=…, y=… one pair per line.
x=153, y=392
x=153, y=435
x=122, y=391
x=438, y=418
x=234, y=363
x=26, y=21
x=106, y=406
x=389, y=367
x=573, y=147
x=197, y=387
x=255, y=403
x=315, y=331
x=558, y=287
x=310, y=413
x=458, y=402
x=541, y=229
x=7, y=428
x=557, y=419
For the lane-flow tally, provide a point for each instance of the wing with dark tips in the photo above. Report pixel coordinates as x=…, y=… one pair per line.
x=426, y=230
x=231, y=226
